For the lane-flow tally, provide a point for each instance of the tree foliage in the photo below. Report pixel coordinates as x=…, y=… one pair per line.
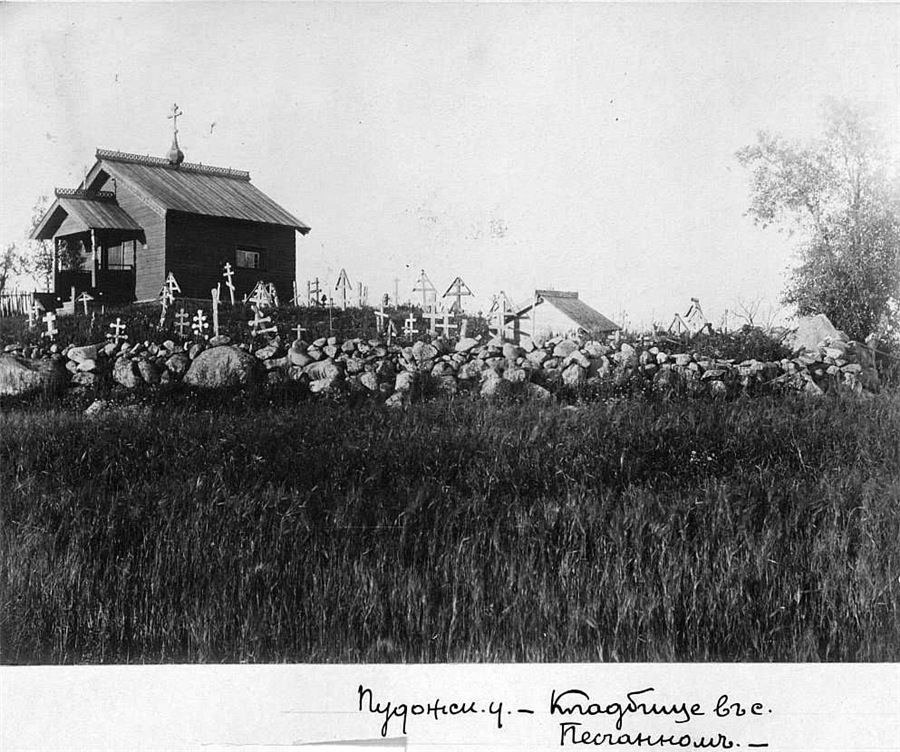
x=839, y=195
x=11, y=264
x=36, y=258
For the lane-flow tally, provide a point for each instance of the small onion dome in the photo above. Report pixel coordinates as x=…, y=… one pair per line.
x=175, y=155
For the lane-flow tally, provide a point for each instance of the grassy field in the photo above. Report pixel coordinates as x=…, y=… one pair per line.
x=272, y=528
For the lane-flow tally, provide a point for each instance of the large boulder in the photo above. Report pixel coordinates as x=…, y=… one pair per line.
x=813, y=331
x=224, y=366
x=125, y=372
x=21, y=376
x=177, y=364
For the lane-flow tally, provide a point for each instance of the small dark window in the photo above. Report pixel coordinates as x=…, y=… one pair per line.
x=250, y=258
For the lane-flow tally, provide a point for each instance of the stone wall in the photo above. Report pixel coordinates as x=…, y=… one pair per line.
x=395, y=373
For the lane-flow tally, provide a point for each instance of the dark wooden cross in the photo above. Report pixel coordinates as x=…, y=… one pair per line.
x=174, y=117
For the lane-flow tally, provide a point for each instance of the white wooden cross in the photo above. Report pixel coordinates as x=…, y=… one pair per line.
x=84, y=298
x=446, y=326
x=172, y=285
x=300, y=331
x=118, y=331
x=296, y=299
x=181, y=322
x=273, y=293
x=50, y=321
x=424, y=286
x=216, y=295
x=433, y=317
x=458, y=289
x=409, y=326
x=498, y=319
x=229, y=283
x=312, y=293
x=166, y=295
x=343, y=284
x=380, y=318
x=200, y=324
x=258, y=324
x=260, y=296
x=391, y=330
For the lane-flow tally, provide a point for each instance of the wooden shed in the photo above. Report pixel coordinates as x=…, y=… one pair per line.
x=137, y=218
x=558, y=312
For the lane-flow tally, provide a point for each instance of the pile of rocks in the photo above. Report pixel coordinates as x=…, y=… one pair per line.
x=398, y=372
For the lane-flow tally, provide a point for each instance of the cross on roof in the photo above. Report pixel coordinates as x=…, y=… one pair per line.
x=176, y=113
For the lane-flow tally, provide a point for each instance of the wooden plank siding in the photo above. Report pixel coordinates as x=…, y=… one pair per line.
x=200, y=246
x=149, y=261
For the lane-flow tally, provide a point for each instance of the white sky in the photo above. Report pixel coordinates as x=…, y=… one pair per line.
x=581, y=147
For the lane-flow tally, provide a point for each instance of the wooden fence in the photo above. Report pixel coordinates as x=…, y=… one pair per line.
x=15, y=303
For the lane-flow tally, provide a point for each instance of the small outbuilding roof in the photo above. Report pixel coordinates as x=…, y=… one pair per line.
x=577, y=310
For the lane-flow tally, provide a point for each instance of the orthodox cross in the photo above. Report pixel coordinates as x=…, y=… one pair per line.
x=216, y=294
x=312, y=293
x=391, y=330
x=172, y=286
x=424, y=286
x=50, y=321
x=176, y=113
x=409, y=326
x=84, y=299
x=432, y=317
x=260, y=297
x=296, y=299
x=380, y=318
x=446, y=326
x=273, y=293
x=343, y=284
x=181, y=322
x=228, y=274
x=498, y=319
x=118, y=331
x=258, y=324
x=458, y=289
x=363, y=295
x=33, y=312
x=695, y=317
x=678, y=326
x=200, y=324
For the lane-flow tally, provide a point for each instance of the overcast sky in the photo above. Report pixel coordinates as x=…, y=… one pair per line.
x=580, y=147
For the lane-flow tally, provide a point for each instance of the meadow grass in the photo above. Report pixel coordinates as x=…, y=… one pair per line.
x=273, y=528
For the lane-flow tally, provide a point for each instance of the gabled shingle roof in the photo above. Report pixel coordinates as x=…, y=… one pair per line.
x=577, y=310
x=195, y=189
x=84, y=210
x=581, y=313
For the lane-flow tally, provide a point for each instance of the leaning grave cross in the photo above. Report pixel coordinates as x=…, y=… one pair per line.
x=84, y=299
x=229, y=282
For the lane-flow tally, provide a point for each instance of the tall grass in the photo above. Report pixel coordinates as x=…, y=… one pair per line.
x=452, y=531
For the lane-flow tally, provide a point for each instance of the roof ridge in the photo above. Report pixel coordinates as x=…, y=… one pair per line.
x=121, y=156
x=85, y=193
